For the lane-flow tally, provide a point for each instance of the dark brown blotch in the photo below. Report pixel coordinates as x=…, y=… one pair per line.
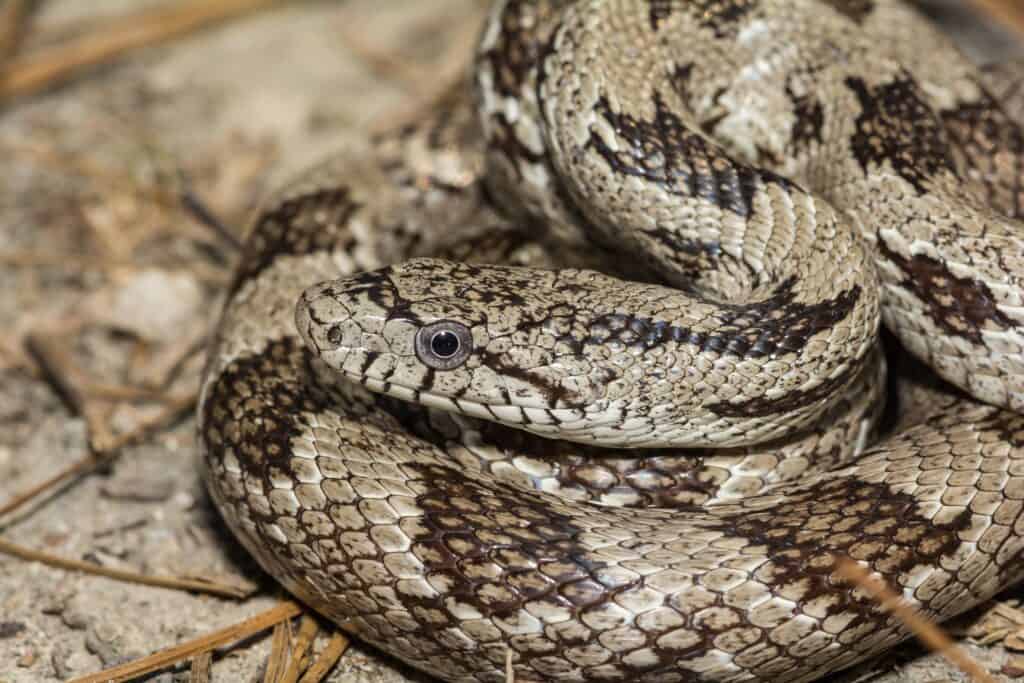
x=664, y=151
x=776, y=326
x=961, y=306
x=721, y=16
x=989, y=146
x=854, y=10
x=809, y=120
x=297, y=226
x=897, y=126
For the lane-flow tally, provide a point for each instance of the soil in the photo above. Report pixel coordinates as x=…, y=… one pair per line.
x=101, y=265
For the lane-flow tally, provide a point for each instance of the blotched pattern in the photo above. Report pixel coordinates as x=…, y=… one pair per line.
x=718, y=159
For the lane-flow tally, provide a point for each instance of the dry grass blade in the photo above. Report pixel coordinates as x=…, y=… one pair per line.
x=222, y=590
x=35, y=72
x=175, y=408
x=927, y=632
x=300, y=649
x=330, y=655
x=86, y=464
x=164, y=658
x=1008, y=12
x=201, y=668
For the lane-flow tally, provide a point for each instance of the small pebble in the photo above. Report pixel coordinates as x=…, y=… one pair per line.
x=138, y=489
x=101, y=640
x=59, y=659
x=156, y=304
x=75, y=618
x=56, y=602
x=9, y=629
x=1014, y=667
x=27, y=659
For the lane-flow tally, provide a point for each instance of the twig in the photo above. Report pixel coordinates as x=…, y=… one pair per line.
x=278, y=654
x=33, y=73
x=198, y=209
x=157, y=369
x=927, y=632
x=14, y=16
x=104, y=449
x=123, y=392
x=30, y=259
x=56, y=371
x=63, y=378
x=164, y=658
x=176, y=407
x=382, y=62
x=429, y=85
x=116, y=181
x=201, y=667
x=81, y=466
x=300, y=649
x=1004, y=11
x=329, y=656
x=12, y=357
x=222, y=590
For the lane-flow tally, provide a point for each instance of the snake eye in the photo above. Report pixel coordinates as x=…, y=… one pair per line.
x=444, y=345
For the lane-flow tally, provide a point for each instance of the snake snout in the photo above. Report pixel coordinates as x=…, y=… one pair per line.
x=324, y=319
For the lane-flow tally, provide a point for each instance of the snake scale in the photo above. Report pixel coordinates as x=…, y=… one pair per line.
x=585, y=375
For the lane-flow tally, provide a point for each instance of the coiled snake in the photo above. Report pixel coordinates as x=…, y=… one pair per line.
x=697, y=213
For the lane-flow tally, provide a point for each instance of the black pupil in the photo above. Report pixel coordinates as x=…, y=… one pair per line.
x=444, y=343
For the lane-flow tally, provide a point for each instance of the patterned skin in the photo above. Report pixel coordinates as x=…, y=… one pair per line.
x=399, y=450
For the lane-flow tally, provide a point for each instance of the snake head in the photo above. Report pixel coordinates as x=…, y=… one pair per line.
x=576, y=353
x=487, y=341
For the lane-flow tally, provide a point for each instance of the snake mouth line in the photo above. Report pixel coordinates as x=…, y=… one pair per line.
x=536, y=417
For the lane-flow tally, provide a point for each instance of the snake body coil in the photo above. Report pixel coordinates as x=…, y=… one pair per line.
x=662, y=225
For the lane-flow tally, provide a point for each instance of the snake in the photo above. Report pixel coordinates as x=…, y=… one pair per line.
x=581, y=376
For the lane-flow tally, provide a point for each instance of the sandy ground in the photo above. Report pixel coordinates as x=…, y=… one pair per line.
x=90, y=230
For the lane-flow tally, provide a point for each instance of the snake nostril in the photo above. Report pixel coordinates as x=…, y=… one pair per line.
x=334, y=335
